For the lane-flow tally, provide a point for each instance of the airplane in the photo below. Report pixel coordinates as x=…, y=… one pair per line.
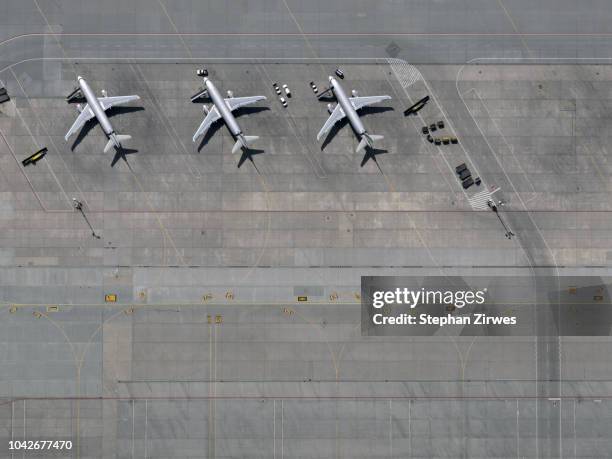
x=348, y=106
x=223, y=108
x=416, y=107
x=96, y=108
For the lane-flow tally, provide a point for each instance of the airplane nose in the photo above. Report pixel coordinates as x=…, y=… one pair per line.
x=330, y=78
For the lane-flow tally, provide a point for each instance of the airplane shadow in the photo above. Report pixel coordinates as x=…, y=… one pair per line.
x=248, y=154
x=79, y=100
x=89, y=125
x=122, y=153
x=366, y=111
x=209, y=134
x=217, y=124
x=371, y=154
x=329, y=97
x=333, y=132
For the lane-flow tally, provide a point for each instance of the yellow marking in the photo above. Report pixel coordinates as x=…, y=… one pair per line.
x=142, y=295
x=358, y=296
x=302, y=298
x=218, y=319
x=572, y=290
x=110, y=298
x=37, y=314
x=229, y=296
x=209, y=319
x=288, y=311
x=271, y=303
x=207, y=297
x=13, y=309
x=333, y=296
x=598, y=297
x=52, y=308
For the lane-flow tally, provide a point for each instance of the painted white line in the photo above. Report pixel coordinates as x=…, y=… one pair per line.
x=165, y=121
x=38, y=146
x=511, y=148
x=34, y=111
x=433, y=97
x=424, y=142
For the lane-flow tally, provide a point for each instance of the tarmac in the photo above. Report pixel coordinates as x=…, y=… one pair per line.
x=207, y=351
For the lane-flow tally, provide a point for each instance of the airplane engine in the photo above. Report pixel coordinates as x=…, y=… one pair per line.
x=354, y=93
x=230, y=94
x=205, y=109
x=330, y=108
x=79, y=108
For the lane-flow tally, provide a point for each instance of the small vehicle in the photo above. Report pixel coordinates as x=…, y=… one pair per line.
x=202, y=72
x=464, y=174
x=437, y=141
x=416, y=107
x=340, y=74
x=33, y=159
x=433, y=127
x=467, y=183
x=4, y=97
x=430, y=138
x=454, y=140
x=460, y=168
x=283, y=101
x=477, y=181
x=425, y=130
x=276, y=88
x=314, y=87
x=446, y=140
x=287, y=90
x=440, y=124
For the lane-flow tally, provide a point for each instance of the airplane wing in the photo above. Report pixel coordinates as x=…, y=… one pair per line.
x=360, y=102
x=85, y=115
x=108, y=102
x=336, y=116
x=212, y=116
x=235, y=103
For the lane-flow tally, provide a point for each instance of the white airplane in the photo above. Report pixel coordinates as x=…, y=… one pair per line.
x=96, y=108
x=348, y=106
x=223, y=108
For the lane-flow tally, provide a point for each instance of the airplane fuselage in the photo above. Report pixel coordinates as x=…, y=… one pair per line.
x=347, y=107
x=224, y=110
x=96, y=107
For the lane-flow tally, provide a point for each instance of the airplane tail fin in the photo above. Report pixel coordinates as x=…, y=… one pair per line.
x=109, y=145
x=115, y=140
x=243, y=141
x=367, y=140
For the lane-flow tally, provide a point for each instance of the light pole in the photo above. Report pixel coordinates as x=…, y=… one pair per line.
x=493, y=207
x=78, y=205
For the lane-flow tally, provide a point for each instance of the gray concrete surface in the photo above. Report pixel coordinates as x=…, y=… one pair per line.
x=178, y=225
x=186, y=236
